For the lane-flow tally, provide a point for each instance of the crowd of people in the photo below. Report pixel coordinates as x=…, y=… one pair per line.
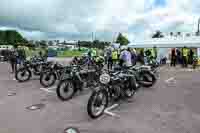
x=123, y=56
x=183, y=56
x=129, y=56
x=126, y=56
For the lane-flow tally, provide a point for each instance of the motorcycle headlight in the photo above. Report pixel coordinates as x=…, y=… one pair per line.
x=104, y=78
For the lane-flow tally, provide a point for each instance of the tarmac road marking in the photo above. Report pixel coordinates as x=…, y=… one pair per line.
x=112, y=107
x=52, y=88
x=47, y=90
x=111, y=114
x=107, y=110
x=170, y=79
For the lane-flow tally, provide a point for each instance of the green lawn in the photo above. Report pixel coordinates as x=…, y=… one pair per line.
x=70, y=53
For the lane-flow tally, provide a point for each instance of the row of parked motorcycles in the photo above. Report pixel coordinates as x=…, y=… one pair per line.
x=107, y=86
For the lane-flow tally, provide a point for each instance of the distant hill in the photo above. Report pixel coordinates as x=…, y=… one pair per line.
x=11, y=37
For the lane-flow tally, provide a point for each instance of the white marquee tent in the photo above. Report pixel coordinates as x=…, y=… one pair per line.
x=169, y=42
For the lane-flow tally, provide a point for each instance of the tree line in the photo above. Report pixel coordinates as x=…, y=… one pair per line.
x=12, y=37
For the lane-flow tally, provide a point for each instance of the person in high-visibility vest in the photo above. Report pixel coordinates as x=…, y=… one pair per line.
x=94, y=53
x=185, y=56
x=114, y=56
x=194, y=60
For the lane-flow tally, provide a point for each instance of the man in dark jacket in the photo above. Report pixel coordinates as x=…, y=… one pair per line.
x=13, y=60
x=173, y=57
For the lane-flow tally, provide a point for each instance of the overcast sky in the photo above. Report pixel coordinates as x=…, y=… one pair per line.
x=77, y=19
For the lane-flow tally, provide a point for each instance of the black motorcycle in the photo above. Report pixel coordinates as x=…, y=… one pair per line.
x=24, y=73
x=112, y=86
x=144, y=75
x=53, y=73
x=78, y=79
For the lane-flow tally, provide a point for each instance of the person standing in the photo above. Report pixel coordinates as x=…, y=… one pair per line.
x=178, y=56
x=13, y=60
x=109, y=58
x=140, y=56
x=173, y=57
x=185, y=56
x=126, y=58
x=191, y=54
x=134, y=57
x=114, y=57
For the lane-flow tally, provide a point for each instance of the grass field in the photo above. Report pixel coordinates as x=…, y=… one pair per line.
x=70, y=53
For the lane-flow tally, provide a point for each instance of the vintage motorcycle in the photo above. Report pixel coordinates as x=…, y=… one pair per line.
x=28, y=68
x=78, y=79
x=112, y=86
x=49, y=76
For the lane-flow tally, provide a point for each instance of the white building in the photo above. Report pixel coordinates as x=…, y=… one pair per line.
x=167, y=42
x=164, y=45
x=3, y=47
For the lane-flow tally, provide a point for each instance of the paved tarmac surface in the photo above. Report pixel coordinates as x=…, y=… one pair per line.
x=171, y=106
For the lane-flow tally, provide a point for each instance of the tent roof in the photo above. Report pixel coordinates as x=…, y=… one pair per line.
x=167, y=42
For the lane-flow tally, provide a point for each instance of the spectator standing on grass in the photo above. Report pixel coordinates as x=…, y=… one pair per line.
x=173, y=57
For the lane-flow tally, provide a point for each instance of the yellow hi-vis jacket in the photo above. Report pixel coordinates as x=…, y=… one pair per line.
x=185, y=52
x=94, y=53
x=115, y=55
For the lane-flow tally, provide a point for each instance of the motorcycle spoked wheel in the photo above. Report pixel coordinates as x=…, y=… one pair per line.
x=131, y=88
x=47, y=79
x=116, y=92
x=65, y=90
x=147, y=79
x=37, y=69
x=23, y=74
x=97, y=103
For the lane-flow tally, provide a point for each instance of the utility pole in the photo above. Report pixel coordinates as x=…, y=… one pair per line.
x=92, y=36
x=197, y=33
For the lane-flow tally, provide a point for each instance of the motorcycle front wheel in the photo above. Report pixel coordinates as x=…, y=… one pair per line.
x=23, y=74
x=47, y=79
x=65, y=90
x=97, y=103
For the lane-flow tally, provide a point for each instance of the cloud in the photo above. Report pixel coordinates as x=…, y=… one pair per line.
x=75, y=19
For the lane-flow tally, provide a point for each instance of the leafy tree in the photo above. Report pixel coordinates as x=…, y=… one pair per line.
x=43, y=43
x=50, y=43
x=178, y=33
x=11, y=37
x=171, y=34
x=96, y=43
x=122, y=40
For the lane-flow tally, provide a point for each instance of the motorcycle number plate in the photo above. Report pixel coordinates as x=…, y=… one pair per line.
x=104, y=78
